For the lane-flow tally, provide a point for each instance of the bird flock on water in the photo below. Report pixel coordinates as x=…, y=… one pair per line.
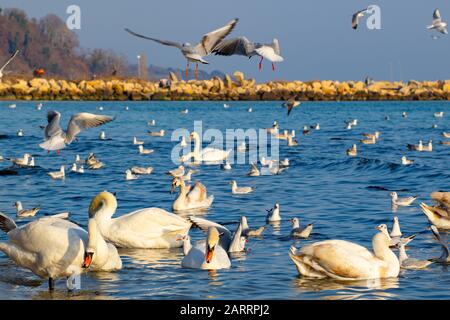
x=33, y=246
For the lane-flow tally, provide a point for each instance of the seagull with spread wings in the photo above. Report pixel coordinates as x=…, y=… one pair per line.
x=7, y=62
x=244, y=47
x=437, y=23
x=196, y=53
x=57, y=139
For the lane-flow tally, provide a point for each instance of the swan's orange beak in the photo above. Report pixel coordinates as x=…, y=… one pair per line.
x=87, y=259
x=209, y=254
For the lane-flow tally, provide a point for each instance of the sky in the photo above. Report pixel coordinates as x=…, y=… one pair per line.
x=316, y=38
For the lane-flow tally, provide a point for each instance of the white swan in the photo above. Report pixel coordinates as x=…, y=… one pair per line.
x=53, y=248
x=206, y=154
x=207, y=255
x=344, y=260
x=195, y=198
x=437, y=215
x=231, y=242
x=149, y=228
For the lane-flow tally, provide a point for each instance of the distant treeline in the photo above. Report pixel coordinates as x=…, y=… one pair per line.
x=48, y=44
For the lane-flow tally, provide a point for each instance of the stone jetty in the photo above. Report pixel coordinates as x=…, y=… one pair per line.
x=234, y=87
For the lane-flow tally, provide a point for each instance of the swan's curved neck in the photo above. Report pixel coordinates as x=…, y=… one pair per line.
x=96, y=244
x=380, y=244
x=105, y=212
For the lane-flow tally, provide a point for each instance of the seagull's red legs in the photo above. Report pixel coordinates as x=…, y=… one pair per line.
x=260, y=63
x=196, y=71
x=187, y=70
x=273, y=66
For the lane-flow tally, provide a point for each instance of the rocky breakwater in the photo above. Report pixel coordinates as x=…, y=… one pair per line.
x=229, y=88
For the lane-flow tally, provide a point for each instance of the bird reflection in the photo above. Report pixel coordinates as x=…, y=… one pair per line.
x=342, y=290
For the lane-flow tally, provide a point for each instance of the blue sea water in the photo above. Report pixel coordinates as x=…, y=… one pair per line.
x=345, y=197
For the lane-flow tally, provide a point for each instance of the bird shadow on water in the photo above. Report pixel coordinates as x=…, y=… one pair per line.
x=345, y=290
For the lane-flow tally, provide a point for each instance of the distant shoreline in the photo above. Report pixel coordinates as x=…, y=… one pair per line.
x=216, y=89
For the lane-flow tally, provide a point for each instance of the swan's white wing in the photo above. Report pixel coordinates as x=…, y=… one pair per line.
x=212, y=39
x=213, y=154
x=149, y=223
x=341, y=258
x=82, y=121
x=52, y=234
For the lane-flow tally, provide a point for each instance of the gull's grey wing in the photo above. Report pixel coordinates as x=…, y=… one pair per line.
x=212, y=39
x=9, y=60
x=52, y=128
x=164, y=42
x=82, y=121
x=236, y=46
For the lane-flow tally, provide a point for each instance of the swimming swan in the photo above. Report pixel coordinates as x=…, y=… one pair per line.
x=207, y=254
x=344, y=260
x=149, y=228
x=206, y=154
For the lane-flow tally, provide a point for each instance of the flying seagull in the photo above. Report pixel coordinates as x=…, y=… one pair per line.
x=244, y=47
x=196, y=53
x=358, y=15
x=56, y=138
x=291, y=104
x=437, y=23
x=7, y=62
